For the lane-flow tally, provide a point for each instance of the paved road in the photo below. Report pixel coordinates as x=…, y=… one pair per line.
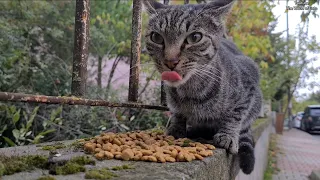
x=316, y=136
x=300, y=154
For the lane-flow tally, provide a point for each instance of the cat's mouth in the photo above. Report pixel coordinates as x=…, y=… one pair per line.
x=171, y=76
x=174, y=78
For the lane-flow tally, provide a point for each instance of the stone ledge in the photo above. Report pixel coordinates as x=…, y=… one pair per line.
x=315, y=175
x=220, y=166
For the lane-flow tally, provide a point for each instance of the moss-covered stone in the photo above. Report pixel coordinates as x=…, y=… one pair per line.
x=74, y=165
x=125, y=166
x=259, y=121
x=77, y=144
x=14, y=164
x=53, y=147
x=103, y=173
x=70, y=168
x=83, y=160
x=46, y=178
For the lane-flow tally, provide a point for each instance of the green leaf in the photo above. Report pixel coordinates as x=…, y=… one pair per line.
x=33, y=115
x=28, y=133
x=47, y=132
x=55, y=113
x=41, y=135
x=45, y=123
x=16, y=133
x=25, y=115
x=9, y=141
x=12, y=109
x=16, y=117
x=3, y=129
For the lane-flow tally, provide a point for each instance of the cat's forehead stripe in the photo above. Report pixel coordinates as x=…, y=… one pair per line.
x=172, y=21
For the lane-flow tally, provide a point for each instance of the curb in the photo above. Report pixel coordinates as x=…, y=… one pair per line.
x=315, y=175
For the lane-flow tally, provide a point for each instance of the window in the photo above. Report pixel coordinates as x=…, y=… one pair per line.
x=315, y=112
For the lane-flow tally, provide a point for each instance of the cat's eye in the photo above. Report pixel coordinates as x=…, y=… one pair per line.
x=156, y=38
x=194, y=38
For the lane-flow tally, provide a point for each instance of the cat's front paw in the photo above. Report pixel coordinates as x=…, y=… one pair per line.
x=176, y=131
x=227, y=142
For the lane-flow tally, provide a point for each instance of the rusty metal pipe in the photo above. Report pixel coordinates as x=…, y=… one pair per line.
x=19, y=97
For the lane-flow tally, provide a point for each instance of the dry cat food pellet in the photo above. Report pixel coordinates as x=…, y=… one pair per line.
x=146, y=146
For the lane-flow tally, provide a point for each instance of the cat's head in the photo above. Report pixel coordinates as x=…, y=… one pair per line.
x=184, y=38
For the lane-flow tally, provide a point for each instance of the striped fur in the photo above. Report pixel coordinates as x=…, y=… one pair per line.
x=219, y=96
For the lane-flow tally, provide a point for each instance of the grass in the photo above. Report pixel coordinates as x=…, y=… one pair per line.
x=272, y=158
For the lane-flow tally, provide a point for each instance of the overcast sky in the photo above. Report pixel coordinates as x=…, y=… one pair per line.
x=294, y=20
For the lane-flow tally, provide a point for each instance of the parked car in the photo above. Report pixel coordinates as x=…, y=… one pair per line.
x=311, y=118
x=297, y=120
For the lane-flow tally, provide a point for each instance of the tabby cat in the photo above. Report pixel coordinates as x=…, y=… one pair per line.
x=212, y=88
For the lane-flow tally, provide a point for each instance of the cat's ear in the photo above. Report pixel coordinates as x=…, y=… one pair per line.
x=152, y=6
x=218, y=8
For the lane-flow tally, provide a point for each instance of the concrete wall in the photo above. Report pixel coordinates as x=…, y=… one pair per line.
x=220, y=166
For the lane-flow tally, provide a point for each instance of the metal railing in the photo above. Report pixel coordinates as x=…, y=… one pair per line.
x=80, y=58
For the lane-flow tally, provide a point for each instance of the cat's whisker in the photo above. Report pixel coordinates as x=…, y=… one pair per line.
x=208, y=74
x=210, y=67
x=205, y=72
x=201, y=75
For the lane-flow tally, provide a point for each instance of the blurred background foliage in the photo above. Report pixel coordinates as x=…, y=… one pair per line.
x=36, y=45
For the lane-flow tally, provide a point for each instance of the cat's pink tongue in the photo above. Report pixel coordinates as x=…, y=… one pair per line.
x=170, y=76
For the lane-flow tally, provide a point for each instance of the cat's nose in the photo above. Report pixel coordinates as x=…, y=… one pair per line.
x=172, y=63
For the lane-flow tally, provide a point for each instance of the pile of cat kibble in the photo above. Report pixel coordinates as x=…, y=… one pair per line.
x=146, y=146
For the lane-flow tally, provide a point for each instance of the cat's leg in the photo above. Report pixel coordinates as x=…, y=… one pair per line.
x=227, y=136
x=246, y=150
x=176, y=126
x=246, y=141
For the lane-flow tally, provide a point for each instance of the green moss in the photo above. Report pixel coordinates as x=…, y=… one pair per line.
x=186, y=143
x=125, y=166
x=53, y=147
x=170, y=142
x=14, y=164
x=157, y=131
x=257, y=122
x=77, y=144
x=46, y=178
x=75, y=165
x=2, y=169
x=83, y=160
x=103, y=173
x=70, y=168
x=272, y=159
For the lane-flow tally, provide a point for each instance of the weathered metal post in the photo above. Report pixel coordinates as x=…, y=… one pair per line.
x=80, y=51
x=163, y=95
x=135, y=51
